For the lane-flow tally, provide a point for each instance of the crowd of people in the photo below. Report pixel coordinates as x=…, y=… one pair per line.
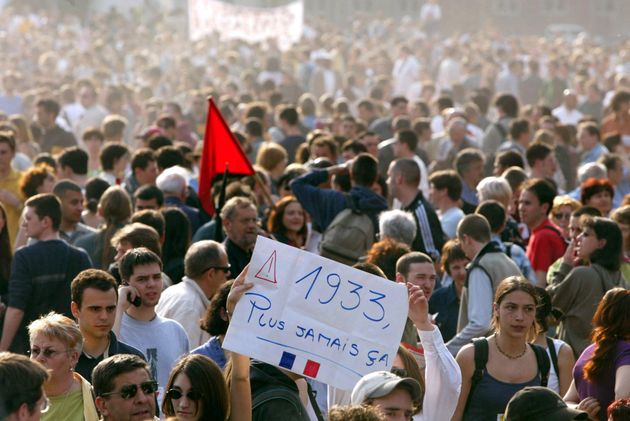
x=492, y=178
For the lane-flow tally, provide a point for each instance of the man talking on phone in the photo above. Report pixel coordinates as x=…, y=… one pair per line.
x=161, y=340
x=94, y=297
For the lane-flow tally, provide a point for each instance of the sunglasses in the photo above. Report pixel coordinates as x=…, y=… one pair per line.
x=46, y=352
x=129, y=391
x=192, y=395
x=562, y=215
x=225, y=269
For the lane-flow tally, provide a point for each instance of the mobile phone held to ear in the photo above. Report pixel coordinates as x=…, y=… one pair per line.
x=136, y=301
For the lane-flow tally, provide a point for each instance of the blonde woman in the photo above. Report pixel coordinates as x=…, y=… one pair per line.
x=563, y=207
x=56, y=343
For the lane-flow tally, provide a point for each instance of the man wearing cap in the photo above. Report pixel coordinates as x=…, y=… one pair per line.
x=540, y=404
x=396, y=397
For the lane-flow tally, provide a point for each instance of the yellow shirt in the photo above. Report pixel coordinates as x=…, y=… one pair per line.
x=12, y=184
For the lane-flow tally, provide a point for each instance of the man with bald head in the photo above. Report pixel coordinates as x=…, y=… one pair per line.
x=456, y=141
x=567, y=113
x=207, y=268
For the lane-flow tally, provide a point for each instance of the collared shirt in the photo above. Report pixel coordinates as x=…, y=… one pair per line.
x=593, y=155
x=71, y=236
x=86, y=362
x=186, y=303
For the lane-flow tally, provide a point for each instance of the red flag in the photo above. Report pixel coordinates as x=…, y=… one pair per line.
x=220, y=149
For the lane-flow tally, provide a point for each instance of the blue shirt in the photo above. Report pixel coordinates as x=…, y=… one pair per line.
x=445, y=303
x=213, y=350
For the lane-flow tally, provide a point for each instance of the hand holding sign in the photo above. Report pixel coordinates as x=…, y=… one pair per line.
x=315, y=317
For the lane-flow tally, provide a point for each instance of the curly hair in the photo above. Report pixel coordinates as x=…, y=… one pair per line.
x=274, y=223
x=611, y=323
x=385, y=254
x=34, y=178
x=212, y=321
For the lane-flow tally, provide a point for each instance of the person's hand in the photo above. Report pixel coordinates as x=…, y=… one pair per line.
x=418, y=307
x=569, y=256
x=126, y=295
x=590, y=406
x=239, y=287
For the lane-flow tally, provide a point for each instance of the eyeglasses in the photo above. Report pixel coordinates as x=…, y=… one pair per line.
x=193, y=395
x=129, y=391
x=560, y=215
x=46, y=352
x=225, y=269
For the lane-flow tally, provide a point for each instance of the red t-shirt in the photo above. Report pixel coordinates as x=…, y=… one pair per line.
x=545, y=246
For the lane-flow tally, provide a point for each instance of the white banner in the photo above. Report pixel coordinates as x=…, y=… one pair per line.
x=252, y=24
x=317, y=317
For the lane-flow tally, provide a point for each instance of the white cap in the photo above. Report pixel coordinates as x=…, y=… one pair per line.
x=382, y=383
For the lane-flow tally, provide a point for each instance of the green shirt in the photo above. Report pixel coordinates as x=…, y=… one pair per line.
x=65, y=407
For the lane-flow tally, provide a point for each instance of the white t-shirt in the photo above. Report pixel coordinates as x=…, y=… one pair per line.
x=449, y=220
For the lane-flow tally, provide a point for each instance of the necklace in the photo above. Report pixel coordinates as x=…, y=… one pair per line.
x=512, y=357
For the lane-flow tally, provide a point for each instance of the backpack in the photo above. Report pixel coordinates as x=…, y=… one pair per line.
x=349, y=236
x=481, y=359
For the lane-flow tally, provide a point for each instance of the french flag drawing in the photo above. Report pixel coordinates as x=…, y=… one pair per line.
x=297, y=364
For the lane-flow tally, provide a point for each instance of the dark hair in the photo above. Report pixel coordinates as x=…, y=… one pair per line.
x=111, y=153
x=75, y=158
x=150, y=192
x=404, y=263
x=290, y=115
x=542, y=189
x=21, y=382
x=151, y=218
x=619, y=98
x=142, y=158
x=177, y=233
x=254, y=127
x=93, y=133
x=6, y=254
x=407, y=169
x=370, y=268
x=398, y=100
x=94, y=189
x=105, y=373
x=494, y=212
x=8, y=137
x=518, y=127
x=158, y=142
x=354, y=146
x=212, y=321
x=166, y=122
x=610, y=160
x=385, y=254
x=449, y=180
x=593, y=186
x=49, y=105
x=409, y=138
x=364, y=170
x=137, y=257
x=611, y=254
x=169, y=156
x=508, y=104
x=537, y=151
x=509, y=158
x=46, y=205
x=206, y=378
x=544, y=309
x=611, y=324
x=91, y=278
x=451, y=252
x=43, y=158
x=592, y=129
x=476, y=227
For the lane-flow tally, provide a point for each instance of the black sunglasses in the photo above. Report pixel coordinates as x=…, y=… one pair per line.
x=129, y=391
x=193, y=395
x=225, y=269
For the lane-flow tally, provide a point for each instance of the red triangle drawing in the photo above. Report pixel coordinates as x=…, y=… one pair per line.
x=268, y=271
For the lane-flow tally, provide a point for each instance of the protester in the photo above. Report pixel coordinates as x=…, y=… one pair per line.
x=287, y=222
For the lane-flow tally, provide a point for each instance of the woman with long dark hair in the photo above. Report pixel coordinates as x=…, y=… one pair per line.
x=176, y=242
x=602, y=373
x=6, y=256
x=578, y=289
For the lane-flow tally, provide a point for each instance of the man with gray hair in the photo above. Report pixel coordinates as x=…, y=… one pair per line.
x=397, y=225
x=173, y=182
x=586, y=171
x=240, y=222
x=207, y=268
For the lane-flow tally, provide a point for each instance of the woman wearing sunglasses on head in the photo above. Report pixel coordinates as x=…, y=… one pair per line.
x=56, y=343
x=197, y=390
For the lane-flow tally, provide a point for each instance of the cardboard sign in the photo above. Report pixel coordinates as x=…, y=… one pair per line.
x=284, y=24
x=317, y=317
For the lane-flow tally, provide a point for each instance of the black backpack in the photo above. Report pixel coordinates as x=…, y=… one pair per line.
x=481, y=359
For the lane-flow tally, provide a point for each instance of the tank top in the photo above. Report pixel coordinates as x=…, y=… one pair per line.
x=491, y=396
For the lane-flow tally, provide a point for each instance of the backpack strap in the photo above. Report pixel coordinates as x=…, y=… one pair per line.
x=543, y=364
x=501, y=130
x=554, y=357
x=481, y=359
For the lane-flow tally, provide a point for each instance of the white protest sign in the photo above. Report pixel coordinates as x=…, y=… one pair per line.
x=317, y=317
x=253, y=24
